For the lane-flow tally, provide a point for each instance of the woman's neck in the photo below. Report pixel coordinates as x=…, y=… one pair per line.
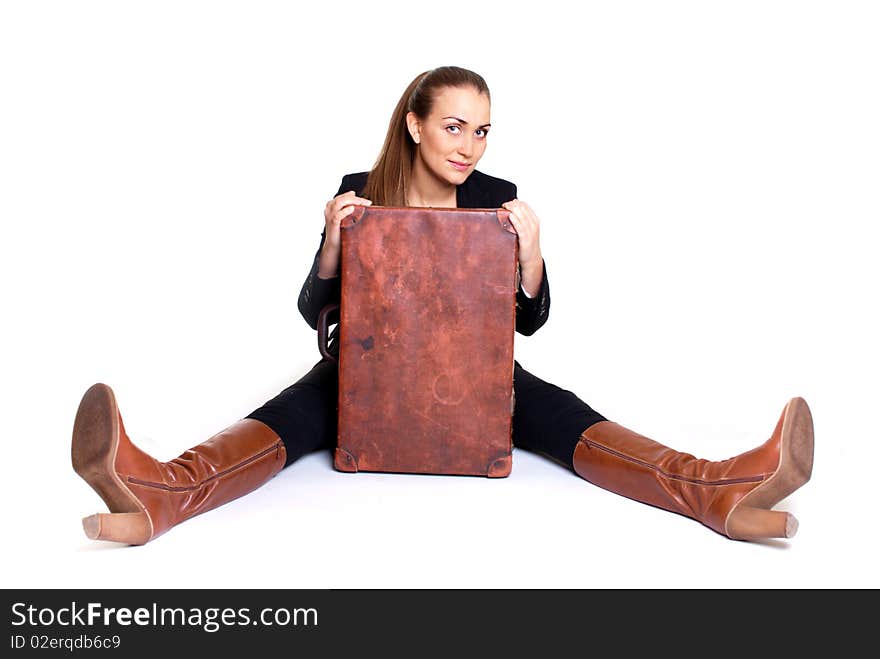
x=425, y=189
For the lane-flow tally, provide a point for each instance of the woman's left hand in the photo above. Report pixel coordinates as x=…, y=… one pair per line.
x=528, y=229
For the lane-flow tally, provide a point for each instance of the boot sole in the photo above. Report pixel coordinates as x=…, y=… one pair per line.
x=93, y=453
x=795, y=467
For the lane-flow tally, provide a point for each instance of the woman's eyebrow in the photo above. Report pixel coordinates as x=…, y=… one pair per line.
x=464, y=122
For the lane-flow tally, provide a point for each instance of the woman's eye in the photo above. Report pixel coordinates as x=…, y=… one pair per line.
x=451, y=127
x=483, y=131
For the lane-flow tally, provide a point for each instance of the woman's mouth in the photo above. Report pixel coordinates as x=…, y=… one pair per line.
x=460, y=166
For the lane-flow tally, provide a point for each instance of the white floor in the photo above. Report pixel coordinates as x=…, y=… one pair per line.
x=314, y=527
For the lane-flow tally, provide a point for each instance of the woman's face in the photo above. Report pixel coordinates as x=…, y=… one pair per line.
x=452, y=138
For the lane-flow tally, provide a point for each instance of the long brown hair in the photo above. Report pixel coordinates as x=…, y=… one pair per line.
x=388, y=181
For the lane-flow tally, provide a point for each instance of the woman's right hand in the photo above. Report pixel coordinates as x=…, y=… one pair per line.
x=334, y=212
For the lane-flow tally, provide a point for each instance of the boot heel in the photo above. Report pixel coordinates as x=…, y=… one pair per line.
x=130, y=528
x=747, y=523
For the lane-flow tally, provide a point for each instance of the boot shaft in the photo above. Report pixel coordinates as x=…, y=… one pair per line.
x=627, y=463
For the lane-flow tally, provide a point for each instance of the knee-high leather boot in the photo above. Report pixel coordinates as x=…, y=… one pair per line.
x=733, y=497
x=147, y=497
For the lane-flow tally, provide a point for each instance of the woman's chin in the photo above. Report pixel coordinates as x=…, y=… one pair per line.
x=457, y=177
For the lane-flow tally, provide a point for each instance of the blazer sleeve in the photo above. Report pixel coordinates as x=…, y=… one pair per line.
x=316, y=293
x=531, y=312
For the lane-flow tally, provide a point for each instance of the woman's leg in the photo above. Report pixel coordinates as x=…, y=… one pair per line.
x=147, y=497
x=733, y=497
x=305, y=414
x=547, y=419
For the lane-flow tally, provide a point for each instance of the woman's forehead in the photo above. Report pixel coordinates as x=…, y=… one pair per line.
x=463, y=103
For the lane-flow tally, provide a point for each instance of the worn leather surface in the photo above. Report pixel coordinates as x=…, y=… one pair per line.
x=426, y=325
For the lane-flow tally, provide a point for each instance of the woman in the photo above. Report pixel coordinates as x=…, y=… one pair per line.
x=435, y=139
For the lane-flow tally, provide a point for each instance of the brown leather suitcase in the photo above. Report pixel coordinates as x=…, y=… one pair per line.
x=426, y=331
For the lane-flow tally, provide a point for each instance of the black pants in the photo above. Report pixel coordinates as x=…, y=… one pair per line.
x=546, y=418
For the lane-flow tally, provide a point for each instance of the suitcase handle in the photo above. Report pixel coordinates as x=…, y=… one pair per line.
x=323, y=326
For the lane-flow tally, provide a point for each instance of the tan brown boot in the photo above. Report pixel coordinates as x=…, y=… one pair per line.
x=147, y=497
x=733, y=497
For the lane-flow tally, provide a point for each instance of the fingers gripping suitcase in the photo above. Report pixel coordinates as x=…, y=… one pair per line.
x=426, y=332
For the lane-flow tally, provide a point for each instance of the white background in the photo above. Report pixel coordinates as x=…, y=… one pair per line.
x=706, y=175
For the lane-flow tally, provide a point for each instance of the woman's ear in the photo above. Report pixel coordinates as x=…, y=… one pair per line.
x=414, y=126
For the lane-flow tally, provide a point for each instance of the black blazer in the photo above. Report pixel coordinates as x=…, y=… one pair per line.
x=478, y=191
